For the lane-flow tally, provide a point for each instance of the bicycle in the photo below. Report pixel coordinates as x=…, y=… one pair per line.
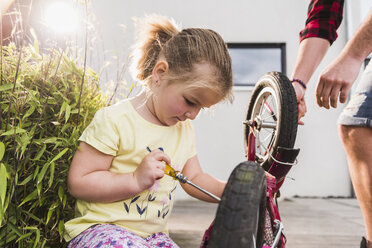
x=248, y=214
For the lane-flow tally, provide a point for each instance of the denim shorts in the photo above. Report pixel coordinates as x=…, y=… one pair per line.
x=358, y=112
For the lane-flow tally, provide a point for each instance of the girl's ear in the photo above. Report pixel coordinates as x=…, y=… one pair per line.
x=160, y=70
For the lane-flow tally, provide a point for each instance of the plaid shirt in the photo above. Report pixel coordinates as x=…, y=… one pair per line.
x=323, y=19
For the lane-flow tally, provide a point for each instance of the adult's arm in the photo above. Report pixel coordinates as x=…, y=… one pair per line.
x=323, y=19
x=336, y=79
x=310, y=54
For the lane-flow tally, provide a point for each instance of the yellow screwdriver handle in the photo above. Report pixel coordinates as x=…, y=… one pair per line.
x=170, y=171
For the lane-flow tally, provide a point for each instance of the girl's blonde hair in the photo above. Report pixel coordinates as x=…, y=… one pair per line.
x=183, y=49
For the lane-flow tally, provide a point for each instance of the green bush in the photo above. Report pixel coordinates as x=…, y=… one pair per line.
x=40, y=123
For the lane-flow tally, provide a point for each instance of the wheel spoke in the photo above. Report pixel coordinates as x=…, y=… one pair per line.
x=269, y=110
x=270, y=135
x=265, y=141
x=268, y=117
x=273, y=109
x=259, y=146
x=264, y=150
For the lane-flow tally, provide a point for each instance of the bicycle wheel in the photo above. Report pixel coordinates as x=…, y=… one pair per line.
x=241, y=213
x=274, y=112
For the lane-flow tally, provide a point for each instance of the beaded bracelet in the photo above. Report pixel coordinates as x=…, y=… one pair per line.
x=300, y=82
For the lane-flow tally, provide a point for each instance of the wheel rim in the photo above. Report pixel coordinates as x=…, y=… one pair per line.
x=265, y=113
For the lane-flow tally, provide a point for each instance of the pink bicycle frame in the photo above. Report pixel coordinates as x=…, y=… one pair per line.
x=283, y=162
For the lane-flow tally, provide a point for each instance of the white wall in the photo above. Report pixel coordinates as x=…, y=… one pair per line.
x=322, y=168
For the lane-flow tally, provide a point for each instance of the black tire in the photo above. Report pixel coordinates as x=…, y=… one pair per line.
x=276, y=88
x=241, y=213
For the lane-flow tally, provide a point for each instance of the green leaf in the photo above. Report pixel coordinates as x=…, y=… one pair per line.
x=43, y=244
x=51, y=211
x=67, y=113
x=64, y=201
x=36, y=172
x=50, y=140
x=61, y=193
x=26, y=180
x=2, y=150
x=24, y=236
x=3, y=183
x=25, y=140
x=7, y=86
x=41, y=175
x=59, y=155
x=66, y=126
x=29, y=112
x=11, y=132
x=1, y=214
x=51, y=177
x=30, y=197
x=75, y=111
x=37, y=239
x=61, y=227
x=40, y=153
x=63, y=108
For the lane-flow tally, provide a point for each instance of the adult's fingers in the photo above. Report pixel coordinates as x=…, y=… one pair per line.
x=323, y=92
x=299, y=90
x=318, y=93
x=335, y=92
x=344, y=93
x=301, y=110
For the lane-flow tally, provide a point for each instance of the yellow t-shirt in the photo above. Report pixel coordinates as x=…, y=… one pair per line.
x=120, y=131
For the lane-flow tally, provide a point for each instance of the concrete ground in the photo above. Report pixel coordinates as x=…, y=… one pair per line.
x=308, y=222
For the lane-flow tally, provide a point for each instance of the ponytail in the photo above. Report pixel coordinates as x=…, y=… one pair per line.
x=155, y=31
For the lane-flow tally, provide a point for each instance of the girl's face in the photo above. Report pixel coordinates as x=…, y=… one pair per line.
x=177, y=101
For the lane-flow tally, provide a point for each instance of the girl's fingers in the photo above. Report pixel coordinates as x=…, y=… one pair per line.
x=161, y=166
x=159, y=155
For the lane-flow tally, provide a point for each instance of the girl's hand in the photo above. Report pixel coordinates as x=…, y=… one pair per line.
x=151, y=169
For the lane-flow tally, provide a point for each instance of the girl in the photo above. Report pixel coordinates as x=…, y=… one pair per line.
x=124, y=199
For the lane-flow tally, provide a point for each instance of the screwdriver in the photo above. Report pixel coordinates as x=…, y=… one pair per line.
x=170, y=171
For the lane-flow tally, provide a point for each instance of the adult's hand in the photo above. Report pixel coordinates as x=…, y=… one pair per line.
x=300, y=95
x=336, y=80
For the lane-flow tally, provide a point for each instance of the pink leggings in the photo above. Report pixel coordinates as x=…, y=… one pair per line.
x=108, y=235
